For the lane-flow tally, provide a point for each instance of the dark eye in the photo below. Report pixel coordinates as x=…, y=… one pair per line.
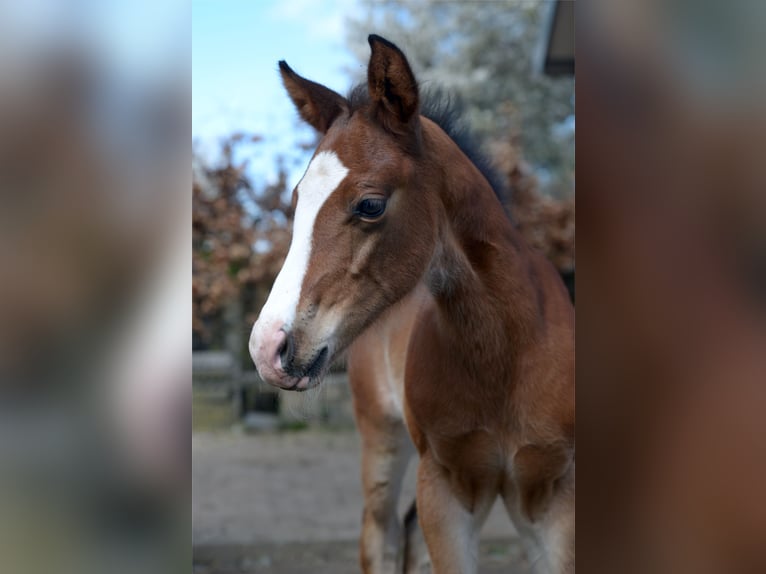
x=371, y=207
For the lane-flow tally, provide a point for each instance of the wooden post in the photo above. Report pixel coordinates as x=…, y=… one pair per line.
x=232, y=317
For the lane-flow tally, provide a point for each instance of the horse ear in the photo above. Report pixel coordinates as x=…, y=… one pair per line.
x=316, y=104
x=391, y=83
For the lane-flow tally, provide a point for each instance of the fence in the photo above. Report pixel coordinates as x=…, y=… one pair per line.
x=217, y=379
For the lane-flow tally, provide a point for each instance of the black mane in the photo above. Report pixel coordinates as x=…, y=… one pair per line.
x=442, y=109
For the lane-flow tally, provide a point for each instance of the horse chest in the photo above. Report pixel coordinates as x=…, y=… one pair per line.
x=454, y=417
x=444, y=378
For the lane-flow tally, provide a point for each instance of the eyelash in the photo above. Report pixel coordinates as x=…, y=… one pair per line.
x=370, y=207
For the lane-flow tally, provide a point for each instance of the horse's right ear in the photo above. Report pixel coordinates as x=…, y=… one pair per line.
x=391, y=84
x=316, y=104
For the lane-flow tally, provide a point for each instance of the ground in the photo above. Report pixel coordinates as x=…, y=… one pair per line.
x=291, y=502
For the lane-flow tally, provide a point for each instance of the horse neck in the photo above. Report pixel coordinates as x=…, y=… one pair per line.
x=481, y=274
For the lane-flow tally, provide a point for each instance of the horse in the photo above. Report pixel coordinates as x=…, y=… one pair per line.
x=459, y=337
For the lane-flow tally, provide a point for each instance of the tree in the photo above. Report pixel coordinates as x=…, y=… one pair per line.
x=240, y=239
x=484, y=53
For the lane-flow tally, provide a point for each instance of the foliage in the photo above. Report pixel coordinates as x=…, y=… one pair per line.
x=240, y=235
x=547, y=223
x=484, y=53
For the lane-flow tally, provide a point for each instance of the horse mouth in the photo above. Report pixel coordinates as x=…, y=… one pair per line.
x=318, y=364
x=313, y=374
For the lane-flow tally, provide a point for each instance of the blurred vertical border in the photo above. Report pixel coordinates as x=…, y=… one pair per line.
x=94, y=299
x=671, y=333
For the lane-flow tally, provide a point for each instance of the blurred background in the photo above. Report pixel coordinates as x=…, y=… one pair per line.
x=671, y=333
x=273, y=469
x=94, y=320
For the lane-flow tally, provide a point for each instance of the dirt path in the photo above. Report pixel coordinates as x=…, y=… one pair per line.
x=495, y=557
x=291, y=503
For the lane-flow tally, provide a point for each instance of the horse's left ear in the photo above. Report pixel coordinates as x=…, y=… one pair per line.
x=391, y=83
x=316, y=104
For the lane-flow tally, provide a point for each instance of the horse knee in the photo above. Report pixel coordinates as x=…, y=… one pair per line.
x=378, y=507
x=540, y=475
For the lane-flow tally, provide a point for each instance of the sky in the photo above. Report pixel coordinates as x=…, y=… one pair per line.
x=236, y=86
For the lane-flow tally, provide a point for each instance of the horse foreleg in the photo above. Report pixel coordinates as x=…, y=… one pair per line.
x=544, y=515
x=558, y=527
x=386, y=450
x=375, y=369
x=450, y=528
x=416, y=559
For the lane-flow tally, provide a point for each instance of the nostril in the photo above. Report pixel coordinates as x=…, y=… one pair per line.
x=286, y=351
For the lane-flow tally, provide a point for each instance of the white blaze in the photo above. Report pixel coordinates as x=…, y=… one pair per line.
x=322, y=177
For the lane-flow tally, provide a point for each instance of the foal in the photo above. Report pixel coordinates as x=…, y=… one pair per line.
x=458, y=335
